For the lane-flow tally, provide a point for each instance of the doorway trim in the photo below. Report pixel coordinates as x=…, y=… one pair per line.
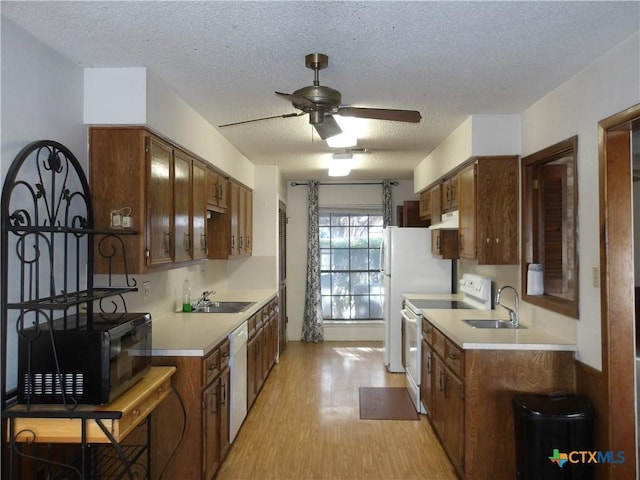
x=617, y=290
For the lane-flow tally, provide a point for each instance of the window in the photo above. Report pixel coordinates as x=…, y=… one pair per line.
x=549, y=225
x=351, y=283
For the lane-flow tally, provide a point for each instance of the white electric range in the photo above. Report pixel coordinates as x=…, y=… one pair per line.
x=475, y=293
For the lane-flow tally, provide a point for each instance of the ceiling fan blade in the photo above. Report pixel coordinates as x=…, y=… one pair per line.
x=297, y=100
x=328, y=128
x=411, y=116
x=286, y=115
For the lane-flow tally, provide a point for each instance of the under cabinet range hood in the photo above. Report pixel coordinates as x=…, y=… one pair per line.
x=448, y=221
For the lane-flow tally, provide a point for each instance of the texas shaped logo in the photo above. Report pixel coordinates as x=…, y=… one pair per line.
x=559, y=458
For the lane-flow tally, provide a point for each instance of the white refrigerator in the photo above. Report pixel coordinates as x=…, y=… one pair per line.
x=407, y=267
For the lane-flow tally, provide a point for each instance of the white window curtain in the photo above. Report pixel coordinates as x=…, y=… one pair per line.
x=312, y=325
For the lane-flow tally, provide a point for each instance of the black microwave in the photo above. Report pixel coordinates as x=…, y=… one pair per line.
x=83, y=362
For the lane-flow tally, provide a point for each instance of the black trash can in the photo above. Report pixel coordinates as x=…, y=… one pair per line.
x=548, y=428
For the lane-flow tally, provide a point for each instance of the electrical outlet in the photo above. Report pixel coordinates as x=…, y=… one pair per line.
x=146, y=290
x=595, y=276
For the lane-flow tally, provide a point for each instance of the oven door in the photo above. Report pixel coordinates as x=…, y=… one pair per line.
x=412, y=339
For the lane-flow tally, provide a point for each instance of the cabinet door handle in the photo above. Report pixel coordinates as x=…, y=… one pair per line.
x=233, y=242
x=214, y=402
x=224, y=394
x=440, y=381
x=438, y=242
x=429, y=365
x=167, y=242
x=187, y=242
x=453, y=356
x=241, y=243
x=446, y=380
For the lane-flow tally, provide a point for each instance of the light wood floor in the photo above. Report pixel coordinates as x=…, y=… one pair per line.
x=305, y=423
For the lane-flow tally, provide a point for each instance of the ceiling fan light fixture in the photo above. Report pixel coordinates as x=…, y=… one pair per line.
x=342, y=140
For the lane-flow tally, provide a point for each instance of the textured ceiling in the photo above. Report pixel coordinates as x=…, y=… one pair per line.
x=446, y=59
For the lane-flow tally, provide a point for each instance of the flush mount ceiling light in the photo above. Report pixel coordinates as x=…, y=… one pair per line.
x=340, y=164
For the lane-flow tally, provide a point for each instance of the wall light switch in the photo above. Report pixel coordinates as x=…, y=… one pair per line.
x=595, y=276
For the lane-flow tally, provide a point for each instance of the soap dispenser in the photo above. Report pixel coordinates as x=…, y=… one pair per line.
x=186, y=296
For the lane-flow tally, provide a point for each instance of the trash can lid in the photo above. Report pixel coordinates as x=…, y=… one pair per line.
x=554, y=405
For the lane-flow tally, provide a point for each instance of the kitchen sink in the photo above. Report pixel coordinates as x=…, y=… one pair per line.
x=484, y=323
x=223, y=307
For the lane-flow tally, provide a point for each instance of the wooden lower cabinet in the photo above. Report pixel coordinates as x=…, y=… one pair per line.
x=426, y=372
x=211, y=429
x=262, y=348
x=203, y=385
x=469, y=398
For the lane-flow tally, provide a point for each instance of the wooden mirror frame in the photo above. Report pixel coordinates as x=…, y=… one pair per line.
x=564, y=272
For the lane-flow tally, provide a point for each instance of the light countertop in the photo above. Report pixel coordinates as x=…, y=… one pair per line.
x=194, y=334
x=449, y=322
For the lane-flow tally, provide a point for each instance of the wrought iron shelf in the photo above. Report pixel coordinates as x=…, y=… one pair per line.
x=66, y=300
x=48, y=245
x=20, y=229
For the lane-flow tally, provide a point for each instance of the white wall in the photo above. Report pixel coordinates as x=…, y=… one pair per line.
x=41, y=99
x=261, y=269
x=478, y=135
x=607, y=86
x=134, y=96
x=341, y=196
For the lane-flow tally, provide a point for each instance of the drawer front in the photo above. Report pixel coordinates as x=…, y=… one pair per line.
x=260, y=317
x=224, y=354
x=427, y=331
x=454, y=358
x=211, y=367
x=251, y=324
x=439, y=341
x=133, y=416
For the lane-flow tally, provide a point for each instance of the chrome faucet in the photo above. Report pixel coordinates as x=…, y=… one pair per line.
x=514, y=315
x=203, y=300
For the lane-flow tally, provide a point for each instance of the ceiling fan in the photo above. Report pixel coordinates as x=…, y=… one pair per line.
x=322, y=102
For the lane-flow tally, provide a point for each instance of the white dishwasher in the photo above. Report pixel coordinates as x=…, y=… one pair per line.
x=238, y=367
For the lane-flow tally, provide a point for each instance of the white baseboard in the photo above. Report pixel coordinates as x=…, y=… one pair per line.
x=368, y=331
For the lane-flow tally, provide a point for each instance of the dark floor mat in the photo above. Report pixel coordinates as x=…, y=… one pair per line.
x=386, y=403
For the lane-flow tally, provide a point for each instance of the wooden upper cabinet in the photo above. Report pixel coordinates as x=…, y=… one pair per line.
x=182, y=206
x=133, y=169
x=467, y=207
x=230, y=234
x=217, y=187
x=411, y=215
x=198, y=210
x=248, y=222
x=488, y=205
x=160, y=174
x=450, y=194
x=424, y=210
x=435, y=203
x=234, y=217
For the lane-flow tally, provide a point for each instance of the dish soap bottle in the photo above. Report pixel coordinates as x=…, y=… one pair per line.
x=186, y=296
